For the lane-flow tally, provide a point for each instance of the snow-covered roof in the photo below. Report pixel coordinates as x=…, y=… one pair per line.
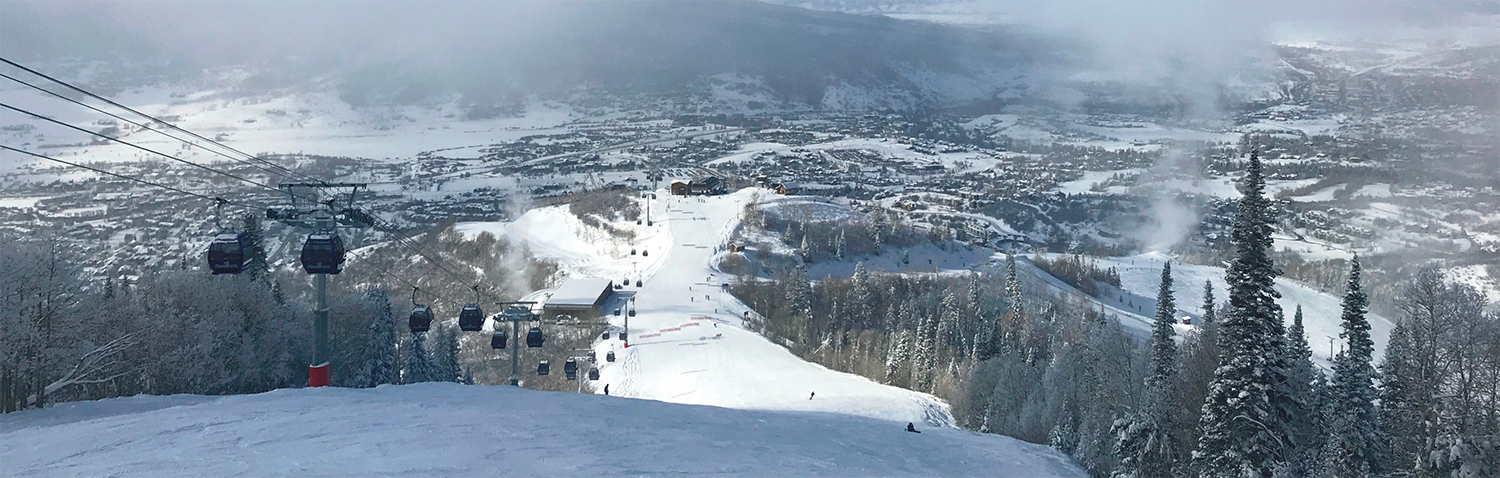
x=580, y=292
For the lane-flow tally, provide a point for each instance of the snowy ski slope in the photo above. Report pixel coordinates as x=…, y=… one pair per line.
x=1140, y=276
x=446, y=429
x=687, y=344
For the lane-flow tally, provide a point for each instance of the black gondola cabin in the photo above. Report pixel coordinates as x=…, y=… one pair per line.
x=534, y=337
x=421, y=319
x=323, y=253
x=498, y=340
x=226, y=254
x=471, y=318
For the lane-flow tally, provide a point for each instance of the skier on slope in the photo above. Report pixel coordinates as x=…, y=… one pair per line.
x=912, y=428
x=814, y=394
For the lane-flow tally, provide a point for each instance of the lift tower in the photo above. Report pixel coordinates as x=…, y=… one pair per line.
x=321, y=208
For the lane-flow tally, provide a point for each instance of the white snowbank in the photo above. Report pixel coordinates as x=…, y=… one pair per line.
x=445, y=429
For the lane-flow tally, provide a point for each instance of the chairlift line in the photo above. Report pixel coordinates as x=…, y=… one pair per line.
x=379, y=224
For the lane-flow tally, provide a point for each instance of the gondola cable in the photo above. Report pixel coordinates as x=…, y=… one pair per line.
x=144, y=115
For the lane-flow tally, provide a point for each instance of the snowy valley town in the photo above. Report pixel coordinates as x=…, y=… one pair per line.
x=1131, y=239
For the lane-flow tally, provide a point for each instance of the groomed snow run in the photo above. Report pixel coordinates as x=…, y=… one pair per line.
x=446, y=429
x=688, y=343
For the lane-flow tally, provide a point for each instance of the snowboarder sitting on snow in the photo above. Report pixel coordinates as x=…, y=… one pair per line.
x=911, y=428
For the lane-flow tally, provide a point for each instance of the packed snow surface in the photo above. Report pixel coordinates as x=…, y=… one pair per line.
x=446, y=429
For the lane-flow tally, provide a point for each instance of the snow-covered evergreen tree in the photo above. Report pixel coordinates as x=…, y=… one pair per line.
x=1210, y=312
x=1014, y=326
x=1306, y=385
x=861, y=298
x=445, y=352
x=924, y=358
x=1353, y=436
x=840, y=244
x=1145, y=443
x=949, y=314
x=1240, y=430
x=799, y=292
x=898, y=353
x=420, y=366
x=1012, y=284
x=380, y=347
x=255, y=251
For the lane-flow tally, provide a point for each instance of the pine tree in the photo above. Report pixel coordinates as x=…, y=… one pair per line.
x=897, y=354
x=924, y=360
x=806, y=250
x=948, y=317
x=420, y=366
x=1012, y=284
x=799, y=292
x=1306, y=385
x=381, y=348
x=1352, y=434
x=445, y=351
x=861, y=298
x=1144, y=441
x=255, y=252
x=840, y=246
x=1015, y=326
x=1240, y=433
x=1210, y=314
x=1404, y=404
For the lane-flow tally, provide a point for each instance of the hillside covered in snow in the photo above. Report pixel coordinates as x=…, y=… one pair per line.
x=444, y=429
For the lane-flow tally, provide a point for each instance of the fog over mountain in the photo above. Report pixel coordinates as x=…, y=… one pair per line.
x=404, y=52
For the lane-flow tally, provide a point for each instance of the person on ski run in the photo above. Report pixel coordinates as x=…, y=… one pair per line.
x=606, y=389
x=809, y=397
x=911, y=428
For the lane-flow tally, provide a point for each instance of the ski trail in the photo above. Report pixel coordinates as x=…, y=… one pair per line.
x=687, y=341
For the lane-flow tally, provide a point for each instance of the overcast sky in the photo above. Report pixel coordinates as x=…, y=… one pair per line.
x=1193, y=44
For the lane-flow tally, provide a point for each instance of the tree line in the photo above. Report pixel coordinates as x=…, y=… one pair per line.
x=1238, y=395
x=65, y=337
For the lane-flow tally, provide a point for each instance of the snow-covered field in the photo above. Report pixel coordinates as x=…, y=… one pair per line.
x=317, y=122
x=446, y=429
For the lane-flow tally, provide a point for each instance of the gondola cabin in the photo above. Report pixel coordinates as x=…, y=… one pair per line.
x=593, y=373
x=226, y=254
x=570, y=367
x=534, y=337
x=543, y=368
x=498, y=340
x=421, y=319
x=609, y=357
x=471, y=318
x=323, y=253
